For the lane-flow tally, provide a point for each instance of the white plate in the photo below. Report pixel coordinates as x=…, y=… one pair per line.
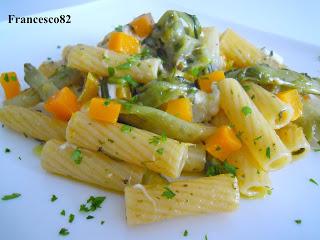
x=33, y=216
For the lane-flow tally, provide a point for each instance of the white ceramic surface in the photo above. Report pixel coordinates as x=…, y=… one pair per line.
x=33, y=216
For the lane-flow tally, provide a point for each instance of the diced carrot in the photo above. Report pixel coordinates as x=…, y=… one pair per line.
x=292, y=97
x=205, y=82
x=104, y=110
x=91, y=88
x=10, y=84
x=222, y=143
x=123, y=92
x=62, y=104
x=123, y=43
x=181, y=108
x=142, y=25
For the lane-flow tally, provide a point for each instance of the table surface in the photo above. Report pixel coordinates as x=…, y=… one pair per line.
x=294, y=19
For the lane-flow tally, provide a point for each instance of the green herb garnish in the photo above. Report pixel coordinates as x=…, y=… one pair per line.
x=126, y=128
x=246, y=110
x=156, y=140
x=256, y=139
x=298, y=221
x=313, y=181
x=10, y=196
x=168, y=193
x=268, y=152
x=111, y=71
x=77, y=156
x=160, y=151
x=220, y=168
x=89, y=217
x=106, y=102
x=6, y=77
x=53, y=198
x=246, y=87
x=102, y=222
x=92, y=204
x=63, y=232
x=71, y=218
x=185, y=233
x=7, y=150
x=119, y=28
x=63, y=212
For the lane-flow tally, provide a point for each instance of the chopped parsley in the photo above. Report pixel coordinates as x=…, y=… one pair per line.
x=130, y=81
x=280, y=114
x=217, y=168
x=218, y=148
x=63, y=232
x=185, y=233
x=156, y=140
x=195, y=71
x=268, y=152
x=168, y=193
x=127, y=106
x=126, y=128
x=298, y=221
x=10, y=196
x=160, y=151
x=206, y=237
x=111, y=71
x=53, y=198
x=7, y=150
x=63, y=212
x=77, y=156
x=246, y=87
x=246, y=110
x=119, y=28
x=134, y=99
x=106, y=102
x=6, y=77
x=269, y=190
x=313, y=181
x=239, y=134
x=316, y=150
x=71, y=218
x=92, y=204
x=89, y=217
x=102, y=222
x=49, y=58
x=256, y=139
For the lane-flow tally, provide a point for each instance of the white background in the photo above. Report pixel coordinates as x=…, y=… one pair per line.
x=295, y=19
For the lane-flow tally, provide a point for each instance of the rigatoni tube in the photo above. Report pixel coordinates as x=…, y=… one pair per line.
x=87, y=166
x=253, y=181
x=252, y=128
x=151, y=203
x=275, y=111
x=143, y=148
x=98, y=60
x=32, y=123
x=294, y=139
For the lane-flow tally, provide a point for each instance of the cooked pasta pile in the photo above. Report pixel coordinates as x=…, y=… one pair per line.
x=155, y=101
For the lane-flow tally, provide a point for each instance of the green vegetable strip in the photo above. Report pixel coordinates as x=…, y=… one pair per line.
x=39, y=82
x=156, y=93
x=266, y=75
x=310, y=121
x=64, y=76
x=160, y=122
